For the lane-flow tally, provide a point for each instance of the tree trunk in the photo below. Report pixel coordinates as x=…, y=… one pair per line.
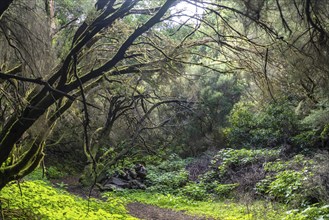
x=48, y=95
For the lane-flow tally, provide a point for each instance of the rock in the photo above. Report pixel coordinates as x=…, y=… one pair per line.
x=140, y=171
x=135, y=184
x=126, y=179
x=107, y=187
x=119, y=182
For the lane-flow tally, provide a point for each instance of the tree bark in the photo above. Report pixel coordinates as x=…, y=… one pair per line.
x=46, y=97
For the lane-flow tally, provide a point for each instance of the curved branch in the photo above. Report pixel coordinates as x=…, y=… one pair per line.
x=4, y=6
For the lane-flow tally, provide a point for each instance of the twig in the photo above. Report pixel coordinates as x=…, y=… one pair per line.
x=266, y=77
x=38, y=81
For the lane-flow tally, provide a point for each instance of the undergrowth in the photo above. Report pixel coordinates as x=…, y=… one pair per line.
x=38, y=200
x=224, y=210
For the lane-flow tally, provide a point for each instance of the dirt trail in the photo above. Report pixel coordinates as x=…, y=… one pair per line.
x=149, y=212
x=138, y=210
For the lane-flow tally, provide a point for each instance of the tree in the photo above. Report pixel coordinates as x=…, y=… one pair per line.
x=66, y=84
x=222, y=39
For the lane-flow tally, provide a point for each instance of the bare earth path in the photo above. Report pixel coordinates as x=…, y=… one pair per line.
x=149, y=212
x=138, y=210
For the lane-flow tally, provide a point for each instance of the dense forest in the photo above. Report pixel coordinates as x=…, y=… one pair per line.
x=168, y=109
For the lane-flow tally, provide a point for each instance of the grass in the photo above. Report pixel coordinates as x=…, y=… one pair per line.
x=227, y=210
x=38, y=200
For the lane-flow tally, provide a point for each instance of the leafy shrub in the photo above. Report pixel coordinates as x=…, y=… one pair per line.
x=174, y=162
x=54, y=173
x=315, y=128
x=241, y=121
x=234, y=170
x=298, y=162
x=287, y=185
x=168, y=181
x=318, y=118
x=225, y=190
x=306, y=139
x=41, y=201
x=314, y=212
x=229, y=158
x=195, y=191
x=269, y=127
x=325, y=133
x=37, y=174
x=168, y=176
x=291, y=181
x=299, y=182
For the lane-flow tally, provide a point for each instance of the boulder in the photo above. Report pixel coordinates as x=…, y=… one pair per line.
x=126, y=179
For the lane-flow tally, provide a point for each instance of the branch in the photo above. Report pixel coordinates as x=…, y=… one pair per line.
x=317, y=27
x=148, y=11
x=65, y=26
x=266, y=77
x=38, y=81
x=120, y=55
x=4, y=6
x=15, y=70
x=284, y=22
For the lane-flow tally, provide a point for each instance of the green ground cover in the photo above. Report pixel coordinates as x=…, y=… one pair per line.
x=224, y=210
x=38, y=200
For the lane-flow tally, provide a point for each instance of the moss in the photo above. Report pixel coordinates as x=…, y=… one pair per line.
x=41, y=201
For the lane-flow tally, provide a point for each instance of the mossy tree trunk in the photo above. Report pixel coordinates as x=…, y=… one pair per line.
x=60, y=88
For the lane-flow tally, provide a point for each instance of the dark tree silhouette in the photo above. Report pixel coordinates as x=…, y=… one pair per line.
x=60, y=85
x=4, y=6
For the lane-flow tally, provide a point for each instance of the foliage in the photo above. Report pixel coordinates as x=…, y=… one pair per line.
x=314, y=212
x=213, y=97
x=103, y=47
x=298, y=162
x=195, y=191
x=53, y=172
x=218, y=210
x=37, y=174
x=167, y=182
x=233, y=172
x=225, y=190
x=277, y=50
x=316, y=132
x=218, y=94
x=168, y=176
x=318, y=118
x=67, y=10
x=271, y=126
x=291, y=182
x=307, y=139
x=40, y=201
x=229, y=158
x=287, y=186
x=242, y=122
